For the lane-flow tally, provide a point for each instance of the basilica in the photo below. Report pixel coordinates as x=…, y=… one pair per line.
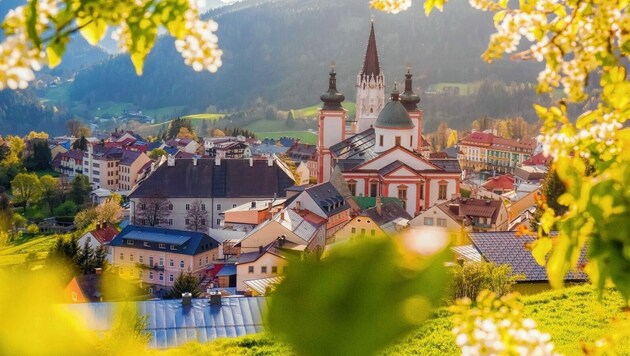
x=382, y=152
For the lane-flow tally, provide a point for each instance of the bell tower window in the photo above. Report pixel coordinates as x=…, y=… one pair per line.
x=397, y=138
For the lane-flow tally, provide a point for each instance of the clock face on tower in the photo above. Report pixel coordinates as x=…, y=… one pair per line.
x=371, y=85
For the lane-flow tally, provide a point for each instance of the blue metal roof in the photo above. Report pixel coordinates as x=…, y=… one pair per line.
x=158, y=237
x=227, y=270
x=172, y=325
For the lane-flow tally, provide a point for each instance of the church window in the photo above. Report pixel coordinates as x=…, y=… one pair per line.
x=421, y=192
x=402, y=195
x=410, y=141
x=380, y=140
x=397, y=138
x=353, y=188
x=442, y=192
x=373, y=189
x=371, y=110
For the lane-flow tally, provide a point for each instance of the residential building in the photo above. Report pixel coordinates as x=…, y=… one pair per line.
x=302, y=174
x=268, y=261
x=130, y=167
x=99, y=238
x=263, y=286
x=219, y=185
x=102, y=166
x=69, y=163
x=325, y=201
x=248, y=216
x=174, y=323
x=156, y=256
x=530, y=174
x=485, y=151
x=456, y=218
x=98, y=287
x=302, y=152
x=187, y=145
x=499, y=184
x=508, y=248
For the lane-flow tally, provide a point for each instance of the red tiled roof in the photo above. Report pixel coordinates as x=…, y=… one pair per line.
x=105, y=235
x=504, y=182
x=538, y=159
x=478, y=139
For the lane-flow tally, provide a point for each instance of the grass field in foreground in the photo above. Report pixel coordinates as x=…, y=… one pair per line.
x=572, y=316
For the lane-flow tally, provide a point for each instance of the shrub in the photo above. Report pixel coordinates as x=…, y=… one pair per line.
x=19, y=221
x=470, y=278
x=68, y=208
x=32, y=229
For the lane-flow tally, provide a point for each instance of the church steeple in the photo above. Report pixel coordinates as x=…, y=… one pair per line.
x=408, y=98
x=332, y=98
x=370, y=63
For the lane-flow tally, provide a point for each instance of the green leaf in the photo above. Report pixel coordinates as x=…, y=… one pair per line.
x=54, y=52
x=359, y=299
x=540, y=249
x=92, y=29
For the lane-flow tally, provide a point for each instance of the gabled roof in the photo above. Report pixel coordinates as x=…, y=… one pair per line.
x=503, y=182
x=508, y=248
x=448, y=165
x=172, y=325
x=327, y=198
x=390, y=211
x=461, y=209
x=129, y=157
x=262, y=285
x=107, y=287
x=150, y=238
x=232, y=178
x=365, y=203
x=538, y=159
x=105, y=235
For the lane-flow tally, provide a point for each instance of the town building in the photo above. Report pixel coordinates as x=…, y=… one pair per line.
x=69, y=163
x=302, y=152
x=456, y=218
x=246, y=217
x=156, y=256
x=485, y=151
x=187, y=145
x=99, y=238
x=113, y=168
x=218, y=185
x=268, y=261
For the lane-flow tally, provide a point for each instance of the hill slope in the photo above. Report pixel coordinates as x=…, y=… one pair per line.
x=281, y=51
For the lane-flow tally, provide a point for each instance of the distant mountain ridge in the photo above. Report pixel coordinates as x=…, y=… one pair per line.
x=280, y=50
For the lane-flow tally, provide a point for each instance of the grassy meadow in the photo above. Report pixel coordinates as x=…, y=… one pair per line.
x=16, y=251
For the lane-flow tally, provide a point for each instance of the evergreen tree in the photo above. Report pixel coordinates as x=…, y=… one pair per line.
x=80, y=144
x=290, y=120
x=552, y=188
x=80, y=189
x=186, y=282
x=40, y=157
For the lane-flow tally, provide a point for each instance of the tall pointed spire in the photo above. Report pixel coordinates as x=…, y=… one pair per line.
x=370, y=64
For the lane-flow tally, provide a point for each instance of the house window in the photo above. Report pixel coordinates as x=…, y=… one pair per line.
x=206, y=259
x=131, y=257
x=173, y=248
x=161, y=276
x=129, y=242
x=263, y=269
x=274, y=269
x=402, y=195
x=354, y=230
x=187, y=221
x=362, y=232
x=151, y=275
x=428, y=221
x=203, y=207
x=151, y=262
x=146, y=244
x=170, y=221
x=141, y=259
x=203, y=222
x=218, y=221
x=171, y=278
x=171, y=263
x=161, y=261
x=442, y=192
x=170, y=207
x=187, y=206
x=380, y=140
x=397, y=140
x=122, y=256
x=140, y=274
x=233, y=205
x=162, y=246
x=441, y=222
x=199, y=264
x=373, y=189
x=181, y=264
x=250, y=269
x=373, y=232
x=218, y=207
x=353, y=188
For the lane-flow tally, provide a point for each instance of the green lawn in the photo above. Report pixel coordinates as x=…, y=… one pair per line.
x=312, y=111
x=208, y=116
x=572, y=316
x=16, y=251
x=464, y=88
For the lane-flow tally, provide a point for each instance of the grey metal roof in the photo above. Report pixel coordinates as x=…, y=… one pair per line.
x=394, y=116
x=507, y=248
x=171, y=325
x=467, y=252
x=390, y=211
x=328, y=198
x=449, y=165
x=357, y=149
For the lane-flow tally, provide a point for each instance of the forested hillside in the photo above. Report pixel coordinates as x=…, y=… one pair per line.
x=272, y=51
x=21, y=112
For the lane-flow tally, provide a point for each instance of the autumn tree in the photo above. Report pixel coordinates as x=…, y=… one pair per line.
x=50, y=188
x=197, y=217
x=184, y=132
x=152, y=211
x=73, y=127
x=27, y=189
x=156, y=153
x=217, y=133
x=452, y=138
x=109, y=212
x=176, y=125
x=552, y=189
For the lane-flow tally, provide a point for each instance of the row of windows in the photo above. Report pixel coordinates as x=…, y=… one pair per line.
x=161, y=246
x=171, y=262
x=440, y=221
x=372, y=232
x=263, y=269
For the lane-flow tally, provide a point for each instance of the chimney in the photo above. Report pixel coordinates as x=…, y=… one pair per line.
x=379, y=205
x=270, y=161
x=215, y=299
x=217, y=161
x=170, y=161
x=195, y=160
x=260, y=249
x=98, y=270
x=251, y=162
x=187, y=299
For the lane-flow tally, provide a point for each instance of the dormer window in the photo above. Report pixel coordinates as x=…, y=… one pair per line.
x=129, y=242
x=162, y=246
x=173, y=248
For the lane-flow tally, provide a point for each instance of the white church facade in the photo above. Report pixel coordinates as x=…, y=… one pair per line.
x=380, y=154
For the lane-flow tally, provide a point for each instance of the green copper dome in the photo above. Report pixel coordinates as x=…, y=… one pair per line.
x=394, y=115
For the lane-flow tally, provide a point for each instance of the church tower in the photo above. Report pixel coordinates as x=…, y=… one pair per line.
x=410, y=102
x=370, y=87
x=332, y=123
x=393, y=126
